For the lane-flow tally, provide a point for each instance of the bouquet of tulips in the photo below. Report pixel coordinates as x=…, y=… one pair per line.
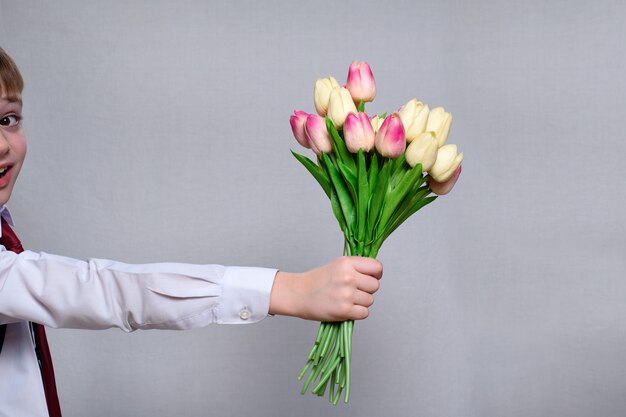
x=377, y=171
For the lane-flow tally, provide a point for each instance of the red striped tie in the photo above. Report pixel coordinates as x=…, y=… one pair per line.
x=10, y=241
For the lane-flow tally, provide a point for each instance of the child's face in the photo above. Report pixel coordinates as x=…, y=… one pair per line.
x=12, y=144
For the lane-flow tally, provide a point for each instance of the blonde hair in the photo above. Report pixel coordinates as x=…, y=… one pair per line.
x=11, y=81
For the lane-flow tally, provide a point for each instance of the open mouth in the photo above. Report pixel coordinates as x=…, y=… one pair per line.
x=3, y=171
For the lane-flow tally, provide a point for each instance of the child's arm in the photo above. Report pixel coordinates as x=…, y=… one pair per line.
x=63, y=292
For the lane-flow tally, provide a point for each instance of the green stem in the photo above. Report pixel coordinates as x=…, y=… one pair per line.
x=326, y=376
x=348, y=342
x=304, y=369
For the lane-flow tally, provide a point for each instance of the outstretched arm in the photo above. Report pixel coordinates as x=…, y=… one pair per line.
x=97, y=294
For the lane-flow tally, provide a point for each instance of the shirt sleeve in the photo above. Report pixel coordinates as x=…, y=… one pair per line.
x=62, y=292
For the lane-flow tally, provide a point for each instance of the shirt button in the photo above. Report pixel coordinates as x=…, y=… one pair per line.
x=244, y=313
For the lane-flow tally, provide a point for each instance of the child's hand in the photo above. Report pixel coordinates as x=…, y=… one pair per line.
x=341, y=290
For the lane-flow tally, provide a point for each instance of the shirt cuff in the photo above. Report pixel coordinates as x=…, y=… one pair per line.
x=245, y=295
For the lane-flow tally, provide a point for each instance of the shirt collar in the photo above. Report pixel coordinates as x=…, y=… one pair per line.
x=6, y=215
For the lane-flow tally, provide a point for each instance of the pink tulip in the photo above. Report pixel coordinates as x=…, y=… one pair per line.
x=358, y=132
x=390, y=140
x=297, y=122
x=361, y=83
x=442, y=188
x=317, y=135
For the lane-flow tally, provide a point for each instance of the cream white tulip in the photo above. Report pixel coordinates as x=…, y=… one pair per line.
x=339, y=105
x=443, y=188
x=376, y=122
x=423, y=150
x=439, y=121
x=414, y=115
x=448, y=160
x=321, y=94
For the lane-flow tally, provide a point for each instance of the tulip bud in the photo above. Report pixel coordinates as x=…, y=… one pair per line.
x=317, y=135
x=439, y=122
x=358, y=132
x=376, y=122
x=390, y=141
x=414, y=115
x=321, y=94
x=339, y=105
x=361, y=83
x=442, y=188
x=297, y=122
x=447, y=162
x=423, y=150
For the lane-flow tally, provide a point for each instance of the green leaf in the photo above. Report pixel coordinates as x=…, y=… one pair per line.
x=400, y=163
x=398, y=193
x=363, y=196
x=373, y=172
x=404, y=208
x=343, y=195
x=418, y=205
x=339, y=146
x=315, y=170
x=350, y=180
x=396, y=178
x=334, y=203
x=334, y=198
x=420, y=180
x=378, y=197
x=399, y=170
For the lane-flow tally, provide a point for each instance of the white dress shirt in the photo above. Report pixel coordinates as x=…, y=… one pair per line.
x=62, y=292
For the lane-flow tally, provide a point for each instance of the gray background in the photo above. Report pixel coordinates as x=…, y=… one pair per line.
x=159, y=131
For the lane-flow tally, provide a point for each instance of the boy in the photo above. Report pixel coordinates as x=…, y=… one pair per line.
x=98, y=294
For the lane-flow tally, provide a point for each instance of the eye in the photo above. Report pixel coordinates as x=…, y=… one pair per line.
x=10, y=120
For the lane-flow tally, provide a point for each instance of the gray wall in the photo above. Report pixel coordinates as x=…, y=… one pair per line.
x=159, y=131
